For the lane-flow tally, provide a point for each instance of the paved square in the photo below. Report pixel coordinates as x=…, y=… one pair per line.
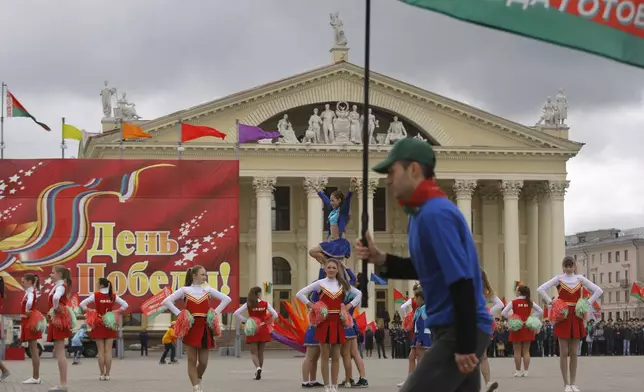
x=282, y=373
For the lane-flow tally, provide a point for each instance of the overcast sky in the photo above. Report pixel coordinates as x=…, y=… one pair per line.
x=169, y=55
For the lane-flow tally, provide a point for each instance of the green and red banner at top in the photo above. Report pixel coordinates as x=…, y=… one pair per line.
x=15, y=109
x=609, y=28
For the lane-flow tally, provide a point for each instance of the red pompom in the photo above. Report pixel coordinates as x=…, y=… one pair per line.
x=183, y=323
x=318, y=313
x=408, y=322
x=559, y=311
x=91, y=318
x=345, y=317
x=213, y=322
x=269, y=321
x=35, y=321
x=61, y=318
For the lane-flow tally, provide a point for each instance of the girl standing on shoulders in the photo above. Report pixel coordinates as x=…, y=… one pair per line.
x=263, y=311
x=572, y=329
x=200, y=336
x=330, y=331
x=521, y=307
x=105, y=329
x=31, y=284
x=496, y=306
x=60, y=321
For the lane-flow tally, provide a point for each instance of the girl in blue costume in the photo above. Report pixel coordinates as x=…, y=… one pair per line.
x=310, y=363
x=350, y=351
x=422, y=335
x=336, y=246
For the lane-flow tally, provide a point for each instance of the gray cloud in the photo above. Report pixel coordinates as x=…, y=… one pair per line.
x=169, y=55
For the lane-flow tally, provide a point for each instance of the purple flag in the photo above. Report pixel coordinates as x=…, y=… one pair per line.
x=249, y=133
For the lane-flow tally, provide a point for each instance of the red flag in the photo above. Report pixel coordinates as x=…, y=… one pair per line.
x=587, y=294
x=361, y=322
x=546, y=311
x=191, y=132
x=399, y=298
x=637, y=291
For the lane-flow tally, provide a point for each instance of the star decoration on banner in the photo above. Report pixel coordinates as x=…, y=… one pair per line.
x=12, y=186
x=192, y=247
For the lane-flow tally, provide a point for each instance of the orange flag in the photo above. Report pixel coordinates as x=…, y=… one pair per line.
x=131, y=131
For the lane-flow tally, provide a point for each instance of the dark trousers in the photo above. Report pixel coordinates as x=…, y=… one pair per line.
x=437, y=371
x=144, y=349
x=169, y=348
x=380, y=346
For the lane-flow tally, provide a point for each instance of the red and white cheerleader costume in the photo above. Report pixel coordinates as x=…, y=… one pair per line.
x=330, y=330
x=197, y=298
x=522, y=309
x=408, y=315
x=497, y=305
x=262, y=312
x=103, y=303
x=28, y=302
x=570, y=291
x=58, y=298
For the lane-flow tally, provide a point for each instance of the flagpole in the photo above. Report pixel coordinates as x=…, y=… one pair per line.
x=121, y=146
x=62, y=140
x=180, y=145
x=365, y=154
x=237, y=144
x=2, y=122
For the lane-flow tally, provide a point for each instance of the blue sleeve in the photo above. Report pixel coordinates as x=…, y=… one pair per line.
x=315, y=297
x=325, y=200
x=442, y=231
x=352, y=277
x=346, y=205
x=322, y=274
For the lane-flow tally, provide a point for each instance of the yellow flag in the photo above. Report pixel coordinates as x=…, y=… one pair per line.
x=131, y=131
x=71, y=132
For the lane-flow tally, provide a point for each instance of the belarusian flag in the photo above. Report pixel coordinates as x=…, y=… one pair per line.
x=587, y=294
x=637, y=291
x=15, y=109
x=399, y=298
x=608, y=28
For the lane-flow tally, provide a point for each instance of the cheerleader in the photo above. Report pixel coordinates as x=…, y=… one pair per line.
x=60, y=320
x=330, y=332
x=31, y=284
x=199, y=338
x=522, y=307
x=350, y=351
x=422, y=336
x=310, y=363
x=257, y=308
x=496, y=306
x=409, y=309
x=572, y=328
x=104, y=330
x=336, y=246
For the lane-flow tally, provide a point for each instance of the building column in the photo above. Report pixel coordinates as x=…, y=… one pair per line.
x=252, y=267
x=302, y=277
x=558, y=225
x=371, y=287
x=511, y=242
x=545, y=239
x=314, y=223
x=490, y=233
x=464, y=189
x=532, y=248
x=264, y=187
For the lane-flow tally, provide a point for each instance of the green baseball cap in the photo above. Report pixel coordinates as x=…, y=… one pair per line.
x=408, y=149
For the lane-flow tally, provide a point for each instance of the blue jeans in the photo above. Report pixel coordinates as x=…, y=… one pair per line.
x=627, y=347
x=77, y=350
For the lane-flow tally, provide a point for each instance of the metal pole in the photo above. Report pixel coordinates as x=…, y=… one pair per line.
x=2, y=122
x=365, y=153
x=2, y=339
x=120, y=344
x=62, y=139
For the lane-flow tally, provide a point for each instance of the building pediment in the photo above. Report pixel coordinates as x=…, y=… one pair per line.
x=447, y=123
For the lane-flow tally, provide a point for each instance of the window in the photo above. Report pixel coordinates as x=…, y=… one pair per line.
x=281, y=271
x=328, y=191
x=132, y=319
x=610, y=277
x=601, y=278
x=594, y=278
x=627, y=297
x=593, y=259
x=281, y=209
x=617, y=276
x=610, y=297
x=626, y=255
x=610, y=257
x=575, y=257
x=626, y=275
x=379, y=209
x=617, y=257
x=617, y=296
x=601, y=258
x=610, y=315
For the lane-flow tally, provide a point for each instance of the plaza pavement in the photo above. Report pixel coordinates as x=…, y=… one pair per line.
x=282, y=373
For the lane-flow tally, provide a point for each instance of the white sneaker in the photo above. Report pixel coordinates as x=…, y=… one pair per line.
x=400, y=384
x=518, y=373
x=574, y=388
x=525, y=373
x=568, y=388
x=32, y=381
x=491, y=386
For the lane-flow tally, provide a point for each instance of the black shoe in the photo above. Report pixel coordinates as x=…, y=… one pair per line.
x=362, y=383
x=307, y=385
x=162, y=363
x=258, y=374
x=492, y=387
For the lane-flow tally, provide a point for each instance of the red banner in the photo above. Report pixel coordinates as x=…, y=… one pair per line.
x=139, y=223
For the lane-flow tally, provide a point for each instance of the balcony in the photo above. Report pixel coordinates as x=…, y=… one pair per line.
x=624, y=283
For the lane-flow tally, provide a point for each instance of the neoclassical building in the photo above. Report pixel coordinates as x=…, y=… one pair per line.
x=508, y=179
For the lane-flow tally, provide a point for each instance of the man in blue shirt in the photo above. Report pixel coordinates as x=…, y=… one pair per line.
x=444, y=260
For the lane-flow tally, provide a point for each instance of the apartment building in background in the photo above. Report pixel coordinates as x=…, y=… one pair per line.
x=612, y=259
